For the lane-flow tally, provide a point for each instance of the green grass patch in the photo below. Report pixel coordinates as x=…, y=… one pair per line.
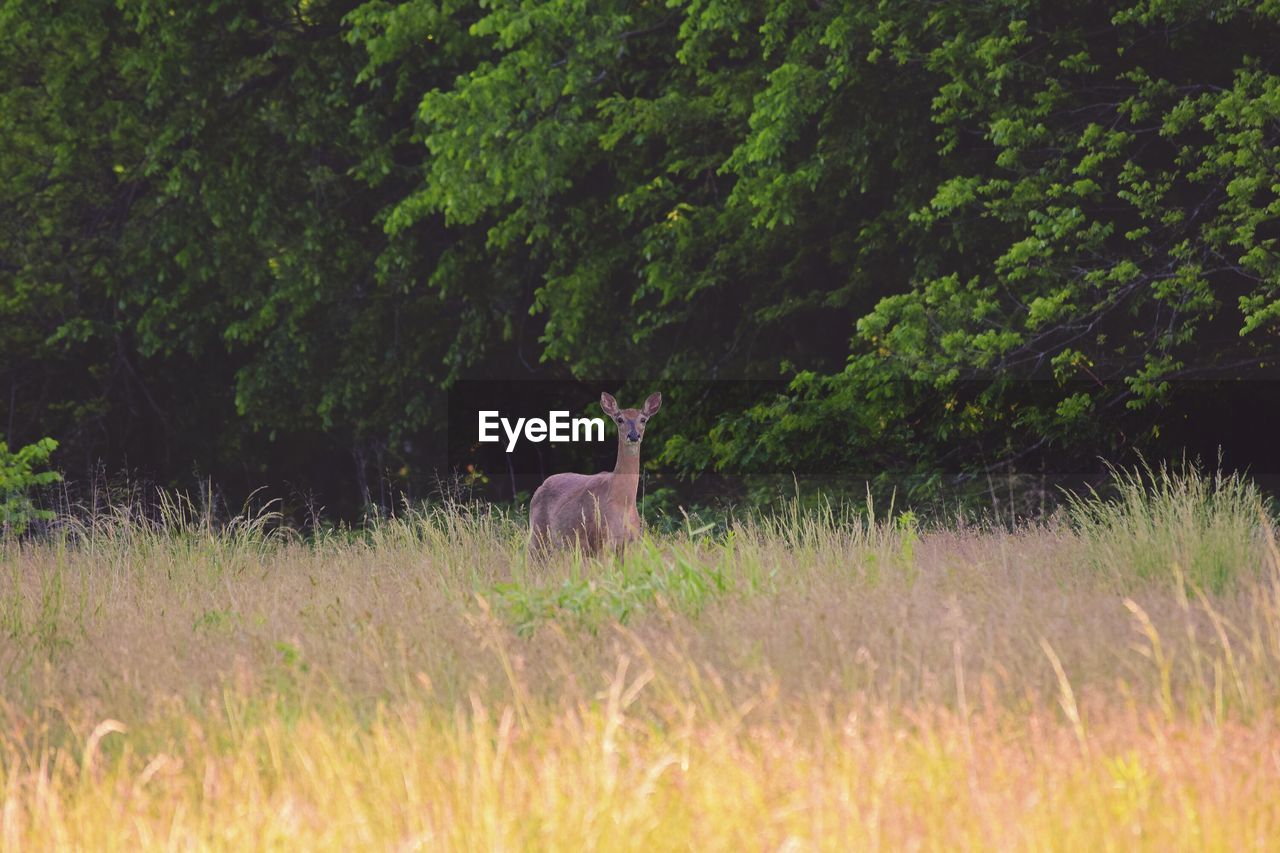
x=1173, y=523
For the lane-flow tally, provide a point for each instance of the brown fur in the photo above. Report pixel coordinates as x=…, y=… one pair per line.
x=594, y=510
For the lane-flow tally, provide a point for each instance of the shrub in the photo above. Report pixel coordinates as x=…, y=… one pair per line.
x=18, y=478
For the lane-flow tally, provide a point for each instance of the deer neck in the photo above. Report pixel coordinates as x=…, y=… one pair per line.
x=626, y=475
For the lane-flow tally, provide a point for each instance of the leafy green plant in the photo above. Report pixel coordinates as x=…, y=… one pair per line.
x=646, y=575
x=18, y=477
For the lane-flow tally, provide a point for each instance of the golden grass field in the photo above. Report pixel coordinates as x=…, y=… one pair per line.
x=1107, y=679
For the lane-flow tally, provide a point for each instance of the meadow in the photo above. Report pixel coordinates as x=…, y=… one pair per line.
x=821, y=678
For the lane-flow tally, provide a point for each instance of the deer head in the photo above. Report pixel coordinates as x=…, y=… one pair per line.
x=630, y=422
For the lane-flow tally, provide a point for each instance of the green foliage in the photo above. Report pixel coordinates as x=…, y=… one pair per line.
x=18, y=478
x=248, y=237
x=1012, y=194
x=649, y=576
x=1063, y=240
x=216, y=178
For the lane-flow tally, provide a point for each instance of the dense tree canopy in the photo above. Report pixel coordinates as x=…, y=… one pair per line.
x=259, y=241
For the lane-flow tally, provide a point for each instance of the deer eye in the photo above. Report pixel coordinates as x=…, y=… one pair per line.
x=617, y=420
x=644, y=420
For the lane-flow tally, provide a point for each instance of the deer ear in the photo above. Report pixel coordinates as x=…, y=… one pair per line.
x=652, y=404
x=609, y=404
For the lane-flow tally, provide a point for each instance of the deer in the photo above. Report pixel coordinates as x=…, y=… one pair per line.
x=595, y=510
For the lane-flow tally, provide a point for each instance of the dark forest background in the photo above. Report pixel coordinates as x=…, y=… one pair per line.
x=258, y=243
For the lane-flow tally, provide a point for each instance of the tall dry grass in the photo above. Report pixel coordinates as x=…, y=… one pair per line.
x=813, y=680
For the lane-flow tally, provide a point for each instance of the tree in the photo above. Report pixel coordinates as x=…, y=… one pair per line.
x=1041, y=216
x=196, y=271
x=266, y=240
x=1102, y=224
